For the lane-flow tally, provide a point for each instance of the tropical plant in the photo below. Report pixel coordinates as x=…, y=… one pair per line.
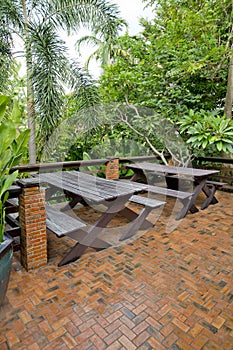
x=12, y=147
x=105, y=47
x=178, y=63
x=207, y=129
x=40, y=27
x=179, y=60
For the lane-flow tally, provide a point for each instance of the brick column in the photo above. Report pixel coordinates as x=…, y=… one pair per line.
x=112, y=169
x=32, y=218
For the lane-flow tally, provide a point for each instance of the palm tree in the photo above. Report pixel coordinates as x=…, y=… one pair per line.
x=106, y=46
x=49, y=71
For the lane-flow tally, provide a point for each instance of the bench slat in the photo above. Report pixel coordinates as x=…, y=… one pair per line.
x=164, y=190
x=60, y=223
x=216, y=183
x=150, y=202
x=169, y=192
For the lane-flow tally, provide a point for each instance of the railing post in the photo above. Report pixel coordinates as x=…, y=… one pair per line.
x=32, y=218
x=112, y=168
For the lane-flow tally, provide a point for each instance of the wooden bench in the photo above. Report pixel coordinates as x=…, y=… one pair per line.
x=140, y=221
x=216, y=184
x=149, y=202
x=212, y=186
x=62, y=225
x=184, y=197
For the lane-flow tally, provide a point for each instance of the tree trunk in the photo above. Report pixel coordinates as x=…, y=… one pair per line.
x=229, y=93
x=31, y=126
x=229, y=103
x=30, y=96
x=31, y=113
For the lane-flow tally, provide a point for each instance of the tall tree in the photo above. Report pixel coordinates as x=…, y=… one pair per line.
x=105, y=46
x=208, y=25
x=38, y=25
x=178, y=66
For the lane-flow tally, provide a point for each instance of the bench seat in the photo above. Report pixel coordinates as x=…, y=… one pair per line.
x=150, y=202
x=60, y=223
x=184, y=197
x=217, y=184
x=169, y=192
x=212, y=187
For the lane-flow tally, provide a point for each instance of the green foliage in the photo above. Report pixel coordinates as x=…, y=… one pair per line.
x=39, y=27
x=178, y=63
x=171, y=66
x=106, y=48
x=208, y=129
x=12, y=148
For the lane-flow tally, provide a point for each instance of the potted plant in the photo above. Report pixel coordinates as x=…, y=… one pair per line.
x=13, y=143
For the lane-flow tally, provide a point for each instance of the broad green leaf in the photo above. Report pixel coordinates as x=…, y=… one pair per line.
x=219, y=146
x=7, y=135
x=22, y=140
x=8, y=182
x=4, y=100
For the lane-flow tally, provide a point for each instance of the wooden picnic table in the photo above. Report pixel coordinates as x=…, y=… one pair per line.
x=199, y=177
x=87, y=189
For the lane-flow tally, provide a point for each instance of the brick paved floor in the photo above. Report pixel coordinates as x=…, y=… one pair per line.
x=171, y=289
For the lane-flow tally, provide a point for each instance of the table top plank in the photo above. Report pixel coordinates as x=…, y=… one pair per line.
x=160, y=168
x=94, y=187
x=90, y=187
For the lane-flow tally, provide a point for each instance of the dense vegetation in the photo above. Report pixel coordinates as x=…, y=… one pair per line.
x=179, y=66
x=40, y=27
x=170, y=88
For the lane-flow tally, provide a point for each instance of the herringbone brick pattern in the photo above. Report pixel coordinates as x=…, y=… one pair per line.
x=168, y=289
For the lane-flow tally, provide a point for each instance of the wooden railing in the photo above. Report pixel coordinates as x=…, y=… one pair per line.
x=226, y=172
x=30, y=168
x=221, y=164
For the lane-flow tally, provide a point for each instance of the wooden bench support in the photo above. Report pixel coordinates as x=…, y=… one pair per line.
x=64, y=225
x=210, y=190
x=149, y=204
x=184, y=197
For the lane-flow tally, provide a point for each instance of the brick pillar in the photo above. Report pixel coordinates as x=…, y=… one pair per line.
x=32, y=218
x=112, y=169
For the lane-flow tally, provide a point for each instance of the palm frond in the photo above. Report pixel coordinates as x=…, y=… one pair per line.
x=92, y=56
x=11, y=15
x=5, y=56
x=97, y=15
x=83, y=86
x=48, y=65
x=87, y=40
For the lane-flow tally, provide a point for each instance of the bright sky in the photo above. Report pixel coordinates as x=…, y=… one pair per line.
x=131, y=11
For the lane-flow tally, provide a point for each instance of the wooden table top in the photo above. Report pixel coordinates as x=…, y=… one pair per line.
x=90, y=187
x=160, y=168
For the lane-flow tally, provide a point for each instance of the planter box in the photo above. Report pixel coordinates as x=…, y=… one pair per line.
x=6, y=253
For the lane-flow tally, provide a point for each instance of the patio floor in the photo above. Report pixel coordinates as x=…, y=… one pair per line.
x=171, y=288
